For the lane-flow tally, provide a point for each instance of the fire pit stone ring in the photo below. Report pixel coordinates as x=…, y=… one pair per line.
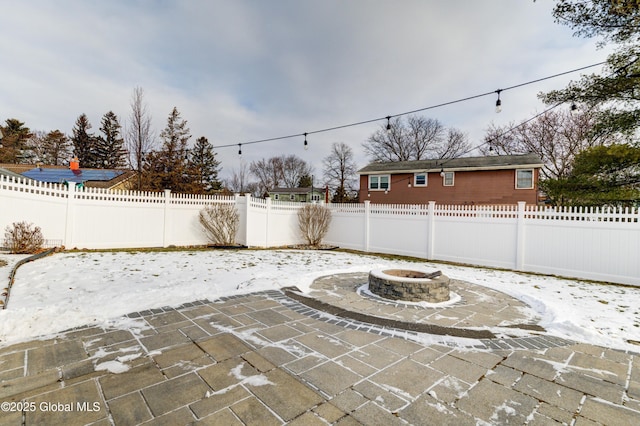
x=409, y=285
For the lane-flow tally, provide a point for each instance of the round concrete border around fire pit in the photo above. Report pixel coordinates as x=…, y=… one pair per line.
x=409, y=285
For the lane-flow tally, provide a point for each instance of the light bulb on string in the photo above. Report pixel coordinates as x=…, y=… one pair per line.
x=498, y=102
x=574, y=107
x=306, y=144
x=388, y=124
x=240, y=149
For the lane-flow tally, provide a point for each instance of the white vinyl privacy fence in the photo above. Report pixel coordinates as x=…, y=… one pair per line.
x=598, y=244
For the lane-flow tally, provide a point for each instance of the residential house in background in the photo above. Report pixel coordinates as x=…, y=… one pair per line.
x=299, y=195
x=112, y=179
x=497, y=179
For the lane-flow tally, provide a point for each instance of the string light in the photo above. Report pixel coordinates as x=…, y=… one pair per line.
x=574, y=107
x=388, y=118
x=306, y=144
x=498, y=102
x=240, y=149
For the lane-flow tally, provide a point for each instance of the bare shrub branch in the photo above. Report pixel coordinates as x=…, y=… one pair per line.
x=22, y=238
x=220, y=223
x=314, y=221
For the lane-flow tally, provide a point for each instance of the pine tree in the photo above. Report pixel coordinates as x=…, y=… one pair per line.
x=167, y=168
x=84, y=143
x=616, y=92
x=55, y=148
x=204, y=167
x=110, y=152
x=14, y=142
x=601, y=176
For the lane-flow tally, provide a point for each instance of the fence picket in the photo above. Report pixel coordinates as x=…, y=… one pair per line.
x=572, y=241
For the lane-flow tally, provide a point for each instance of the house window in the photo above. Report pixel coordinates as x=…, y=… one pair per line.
x=292, y=197
x=315, y=197
x=524, y=179
x=420, y=179
x=380, y=182
x=448, y=178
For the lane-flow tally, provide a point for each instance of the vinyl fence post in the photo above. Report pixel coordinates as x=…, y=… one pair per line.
x=167, y=226
x=367, y=216
x=520, y=236
x=247, y=214
x=431, y=219
x=266, y=231
x=241, y=210
x=71, y=210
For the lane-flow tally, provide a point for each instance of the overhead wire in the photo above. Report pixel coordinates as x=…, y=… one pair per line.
x=388, y=117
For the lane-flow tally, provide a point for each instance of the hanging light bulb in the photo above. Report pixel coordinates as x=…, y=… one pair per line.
x=306, y=144
x=388, y=124
x=574, y=107
x=498, y=102
x=240, y=149
x=442, y=172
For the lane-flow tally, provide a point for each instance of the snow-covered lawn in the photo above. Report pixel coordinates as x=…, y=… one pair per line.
x=67, y=290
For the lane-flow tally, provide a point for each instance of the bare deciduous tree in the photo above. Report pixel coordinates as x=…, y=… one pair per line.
x=139, y=137
x=293, y=170
x=416, y=138
x=220, y=223
x=340, y=172
x=556, y=136
x=314, y=221
x=240, y=181
x=285, y=170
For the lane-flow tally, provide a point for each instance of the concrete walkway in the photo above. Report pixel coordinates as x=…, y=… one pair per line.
x=268, y=358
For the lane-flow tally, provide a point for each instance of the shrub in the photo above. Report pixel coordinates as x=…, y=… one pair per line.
x=220, y=223
x=313, y=221
x=23, y=238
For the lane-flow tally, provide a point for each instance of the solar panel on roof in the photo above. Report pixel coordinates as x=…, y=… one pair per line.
x=66, y=175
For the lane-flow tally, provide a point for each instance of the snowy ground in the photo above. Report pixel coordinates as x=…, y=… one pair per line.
x=72, y=289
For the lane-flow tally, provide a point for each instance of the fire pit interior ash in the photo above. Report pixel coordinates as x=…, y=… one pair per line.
x=409, y=285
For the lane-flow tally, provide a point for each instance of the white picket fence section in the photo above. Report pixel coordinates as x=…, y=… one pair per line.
x=599, y=244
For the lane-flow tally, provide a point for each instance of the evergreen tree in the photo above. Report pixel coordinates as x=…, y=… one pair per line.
x=167, y=168
x=55, y=148
x=204, y=167
x=601, y=176
x=110, y=153
x=14, y=142
x=306, y=181
x=617, y=91
x=84, y=143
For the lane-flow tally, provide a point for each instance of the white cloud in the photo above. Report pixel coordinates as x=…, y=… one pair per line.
x=247, y=70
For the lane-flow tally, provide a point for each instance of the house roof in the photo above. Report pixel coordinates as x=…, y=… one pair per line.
x=493, y=162
x=304, y=190
x=97, y=178
x=6, y=172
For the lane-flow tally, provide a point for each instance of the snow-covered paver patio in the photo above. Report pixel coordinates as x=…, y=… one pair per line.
x=142, y=350
x=72, y=289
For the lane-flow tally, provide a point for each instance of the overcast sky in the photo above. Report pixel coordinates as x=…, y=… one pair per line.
x=242, y=70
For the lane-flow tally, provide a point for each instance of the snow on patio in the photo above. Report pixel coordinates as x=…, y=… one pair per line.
x=68, y=290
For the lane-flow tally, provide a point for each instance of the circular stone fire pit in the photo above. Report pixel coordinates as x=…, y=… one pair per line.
x=410, y=286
